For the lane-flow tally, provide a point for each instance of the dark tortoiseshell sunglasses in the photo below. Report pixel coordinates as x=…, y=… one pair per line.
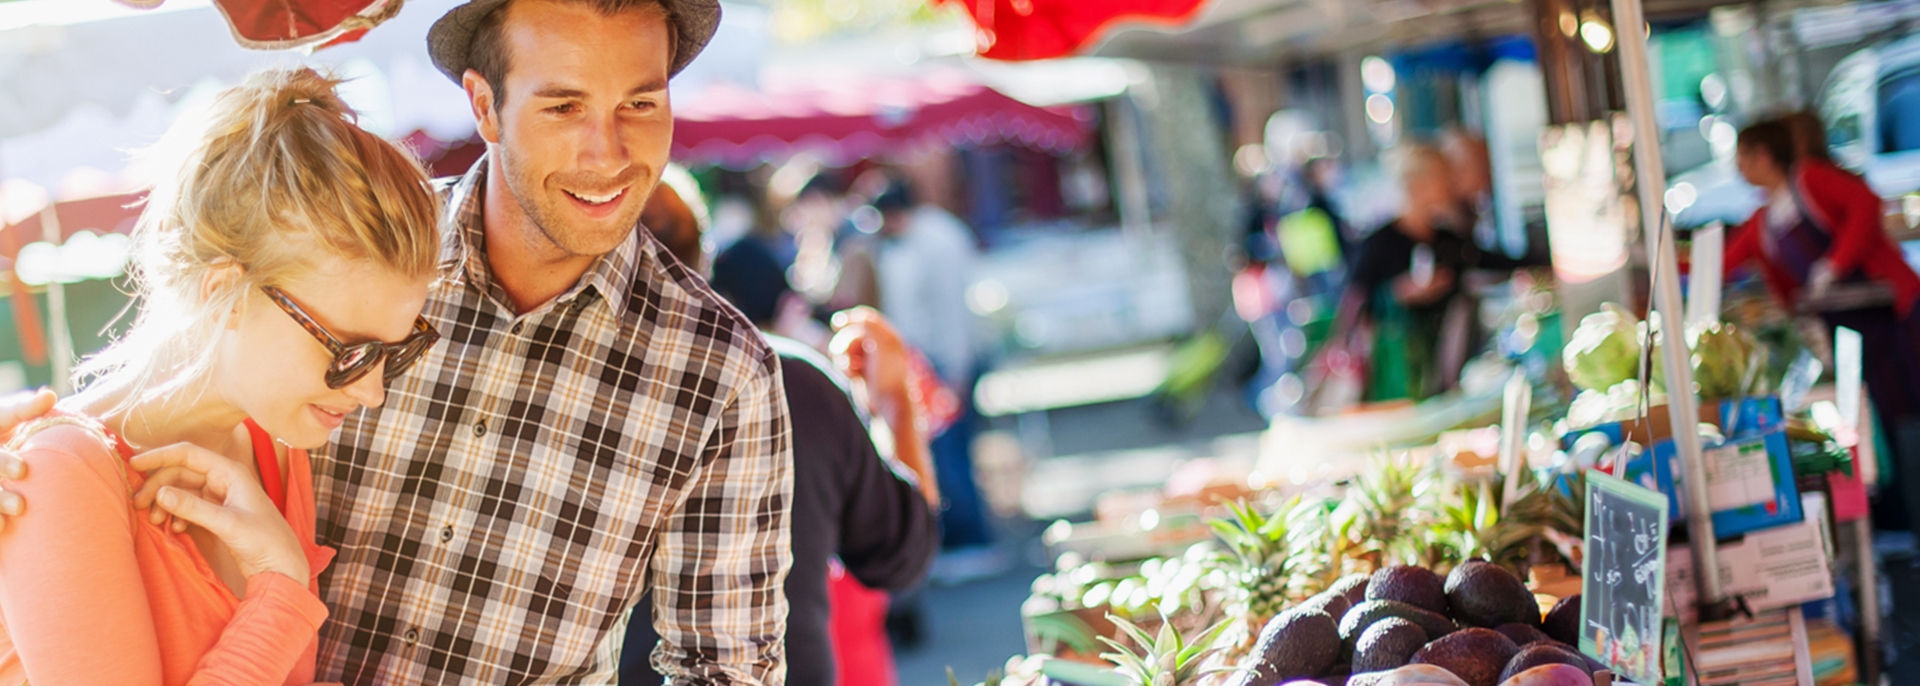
x=350, y=362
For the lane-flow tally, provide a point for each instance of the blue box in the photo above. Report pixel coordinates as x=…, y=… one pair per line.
x=1754, y=416
x=1655, y=469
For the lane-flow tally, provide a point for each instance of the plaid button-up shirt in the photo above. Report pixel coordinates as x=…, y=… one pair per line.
x=535, y=473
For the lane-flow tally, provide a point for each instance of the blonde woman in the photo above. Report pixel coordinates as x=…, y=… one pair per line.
x=281, y=273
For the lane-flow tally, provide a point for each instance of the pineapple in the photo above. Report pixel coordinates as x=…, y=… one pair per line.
x=1474, y=523
x=1258, y=560
x=1387, y=506
x=1165, y=659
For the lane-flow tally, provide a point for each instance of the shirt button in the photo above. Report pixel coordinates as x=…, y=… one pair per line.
x=446, y=534
x=412, y=636
x=479, y=428
x=517, y=326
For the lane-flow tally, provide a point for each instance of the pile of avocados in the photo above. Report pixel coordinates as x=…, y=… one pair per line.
x=1480, y=624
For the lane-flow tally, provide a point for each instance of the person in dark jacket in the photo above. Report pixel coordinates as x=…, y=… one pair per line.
x=849, y=501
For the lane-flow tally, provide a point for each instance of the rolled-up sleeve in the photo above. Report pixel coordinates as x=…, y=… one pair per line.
x=724, y=553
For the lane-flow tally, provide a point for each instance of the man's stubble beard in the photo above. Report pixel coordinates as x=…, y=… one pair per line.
x=528, y=193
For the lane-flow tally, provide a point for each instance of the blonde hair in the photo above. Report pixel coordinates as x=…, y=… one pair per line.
x=279, y=172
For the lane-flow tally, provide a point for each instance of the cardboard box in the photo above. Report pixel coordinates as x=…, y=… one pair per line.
x=1751, y=482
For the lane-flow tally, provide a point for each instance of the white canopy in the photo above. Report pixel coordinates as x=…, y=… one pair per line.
x=83, y=82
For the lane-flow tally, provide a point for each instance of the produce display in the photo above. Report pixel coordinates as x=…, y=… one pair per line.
x=1424, y=567
x=1360, y=581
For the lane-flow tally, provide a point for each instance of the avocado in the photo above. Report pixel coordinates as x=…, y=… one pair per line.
x=1297, y=644
x=1353, y=586
x=1542, y=654
x=1563, y=621
x=1334, y=604
x=1387, y=645
x=1592, y=665
x=1364, y=615
x=1485, y=595
x=1416, y=586
x=1476, y=655
x=1522, y=634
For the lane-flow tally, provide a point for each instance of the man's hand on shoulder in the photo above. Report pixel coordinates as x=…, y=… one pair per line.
x=17, y=409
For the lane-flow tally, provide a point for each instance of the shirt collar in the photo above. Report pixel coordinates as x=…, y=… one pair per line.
x=465, y=231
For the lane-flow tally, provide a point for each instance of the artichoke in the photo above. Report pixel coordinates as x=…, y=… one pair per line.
x=1723, y=356
x=1605, y=349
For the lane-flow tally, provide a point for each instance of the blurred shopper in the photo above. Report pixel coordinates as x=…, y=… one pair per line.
x=1321, y=178
x=1819, y=232
x=281, y=269
x=924, y=264
x=849, y=499
x=1472, y=176
x=1404, y=281
x=676, y=214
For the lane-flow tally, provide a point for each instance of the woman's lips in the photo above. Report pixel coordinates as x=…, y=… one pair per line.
x=327, y=418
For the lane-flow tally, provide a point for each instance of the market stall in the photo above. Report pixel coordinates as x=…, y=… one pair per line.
x=1539, y=524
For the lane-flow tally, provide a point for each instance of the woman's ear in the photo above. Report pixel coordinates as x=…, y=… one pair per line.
x=223, y=279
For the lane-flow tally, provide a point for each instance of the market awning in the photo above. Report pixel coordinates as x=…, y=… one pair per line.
x=1043, y=29
x=842, y=120
x=290, y=24
x=102, y=215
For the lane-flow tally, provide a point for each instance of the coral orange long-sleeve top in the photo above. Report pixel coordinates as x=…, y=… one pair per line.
x=91, y=592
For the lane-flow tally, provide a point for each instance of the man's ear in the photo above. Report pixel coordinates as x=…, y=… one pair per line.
x=480, y=97
x=224, y=277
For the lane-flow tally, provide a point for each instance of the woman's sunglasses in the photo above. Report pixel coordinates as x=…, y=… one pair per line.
x=350, y=362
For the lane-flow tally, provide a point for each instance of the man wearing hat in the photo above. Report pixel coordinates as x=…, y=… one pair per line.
x=598, y=423
x=595, y=422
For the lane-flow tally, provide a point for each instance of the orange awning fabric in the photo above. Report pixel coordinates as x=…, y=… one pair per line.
x=1017, y=30
x=295, y=24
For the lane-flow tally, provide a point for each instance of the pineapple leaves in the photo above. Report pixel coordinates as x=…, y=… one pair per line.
x=1165, y=659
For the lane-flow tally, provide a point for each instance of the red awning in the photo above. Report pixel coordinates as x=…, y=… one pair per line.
x=1018, y=30
x=105, y=214
x=847, y=119
x=289, y=24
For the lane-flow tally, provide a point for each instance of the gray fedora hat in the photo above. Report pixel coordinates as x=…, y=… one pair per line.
x=451, y=37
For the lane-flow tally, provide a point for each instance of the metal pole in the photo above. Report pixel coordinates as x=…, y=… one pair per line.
x=1630, y=37
x=1129, y=168
x=60, y=352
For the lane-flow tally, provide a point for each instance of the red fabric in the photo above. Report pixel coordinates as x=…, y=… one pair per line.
x=280, y=20
x=857, y=622
x=1846, y=207
x=1017, y=30
x=267, y=459
x=846, y=119
x=26, y=322
x=105, y=214
x=286, y=24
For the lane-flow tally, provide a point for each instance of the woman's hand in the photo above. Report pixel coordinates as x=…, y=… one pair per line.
x=866, y=347
x=227, y=502
x=15, y=410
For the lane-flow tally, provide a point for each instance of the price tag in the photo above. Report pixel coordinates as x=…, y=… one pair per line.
x=1623, y=578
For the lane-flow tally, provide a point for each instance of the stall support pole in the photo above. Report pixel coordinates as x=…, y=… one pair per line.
x=1683, y=406
x=60, y=353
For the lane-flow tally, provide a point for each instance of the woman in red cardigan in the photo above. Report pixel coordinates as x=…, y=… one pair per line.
x=1821, y=227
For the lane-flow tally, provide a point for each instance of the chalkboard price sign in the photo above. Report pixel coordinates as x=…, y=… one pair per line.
x=1623, y=577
